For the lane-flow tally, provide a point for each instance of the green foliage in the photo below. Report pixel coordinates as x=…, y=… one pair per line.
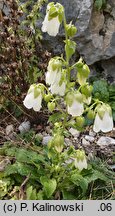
x=100, y=90
x=47, y=176
x=100, y=4
x=105, y=92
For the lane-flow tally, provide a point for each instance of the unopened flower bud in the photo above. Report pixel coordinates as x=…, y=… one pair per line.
x=51, y=106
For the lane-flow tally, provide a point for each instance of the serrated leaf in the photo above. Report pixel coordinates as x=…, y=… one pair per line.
x=78, y=180
x=55, y=117
x=100, y=90
x=68, y=195
x=49, y=186
x=31, y=193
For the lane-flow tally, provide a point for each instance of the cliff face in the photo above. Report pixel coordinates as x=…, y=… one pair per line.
x=95, y=37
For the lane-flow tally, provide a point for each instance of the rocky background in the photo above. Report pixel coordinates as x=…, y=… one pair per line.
x=95, y=36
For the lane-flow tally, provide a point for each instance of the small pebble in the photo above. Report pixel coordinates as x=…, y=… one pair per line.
x=46, y=139
x=105, y=141
x=89, y=138
x=74, y=132
x=9, y=129
x=85, y=142
x=24, y=126
x=92, y=133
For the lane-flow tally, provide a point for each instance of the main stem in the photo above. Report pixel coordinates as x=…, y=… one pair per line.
x=67, y=58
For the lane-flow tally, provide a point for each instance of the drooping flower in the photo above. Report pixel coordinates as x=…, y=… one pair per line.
x=33, y=98
x=53, y=71
x=103, y=119
x=55, y=77
x=87, y=100
x=82, y=72
x=80, y=160
x=58, y=89
x=75, y=104
x=53, y=19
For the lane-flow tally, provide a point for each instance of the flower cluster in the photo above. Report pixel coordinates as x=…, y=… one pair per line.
x=58, y=79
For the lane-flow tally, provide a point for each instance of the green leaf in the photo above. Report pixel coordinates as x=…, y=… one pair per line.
x=78, y=180
x=96, y=175
x=98, y=4
x=49, y=186
x=31, y=193
x=55, y=117
x=100, y=90
x=68, y=195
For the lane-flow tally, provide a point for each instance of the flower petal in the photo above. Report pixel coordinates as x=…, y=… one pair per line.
x=97, y=124
x=56, y=89
x=76, y=109
x=37, y=103
x=107, y=123
x=28, y=101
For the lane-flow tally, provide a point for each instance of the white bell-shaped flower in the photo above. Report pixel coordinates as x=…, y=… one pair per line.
x=80, y=160
x=33, y=98
x=53, y=19
x=58, y=89
x=75, y=105
x=87, y=100
x=53, y=71
x=103, y=120
x=81, y=164
x=51, y=26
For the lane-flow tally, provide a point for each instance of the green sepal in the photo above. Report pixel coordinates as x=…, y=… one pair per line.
x=69, y=98
x=37, y=92
x=70, y=47
x=51, y=106
x=90, y=114
x=86, y=90
x=80, y=121
x=71, y=30
x=52, y=13
x=47, y=97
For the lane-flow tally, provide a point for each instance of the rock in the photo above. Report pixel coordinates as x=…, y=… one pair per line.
x=95, y=36
x=105, y=141
x=92, y=133
x=89, y=138
x=74, y=132
x=46, y=139
x=24, y=127
x=9, y=129
x=68, y=142
x=85, y=142
x=48, y=130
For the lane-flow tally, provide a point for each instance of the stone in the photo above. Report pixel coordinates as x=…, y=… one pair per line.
x=74, y=132
x=85, y=142
x=89, y=138
x=105, y=141
x=24, y=127
x=9, y=129
x=68, y=142
x=92, y=133
x=48, y=129
x=46, y=139
x=95, y=36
